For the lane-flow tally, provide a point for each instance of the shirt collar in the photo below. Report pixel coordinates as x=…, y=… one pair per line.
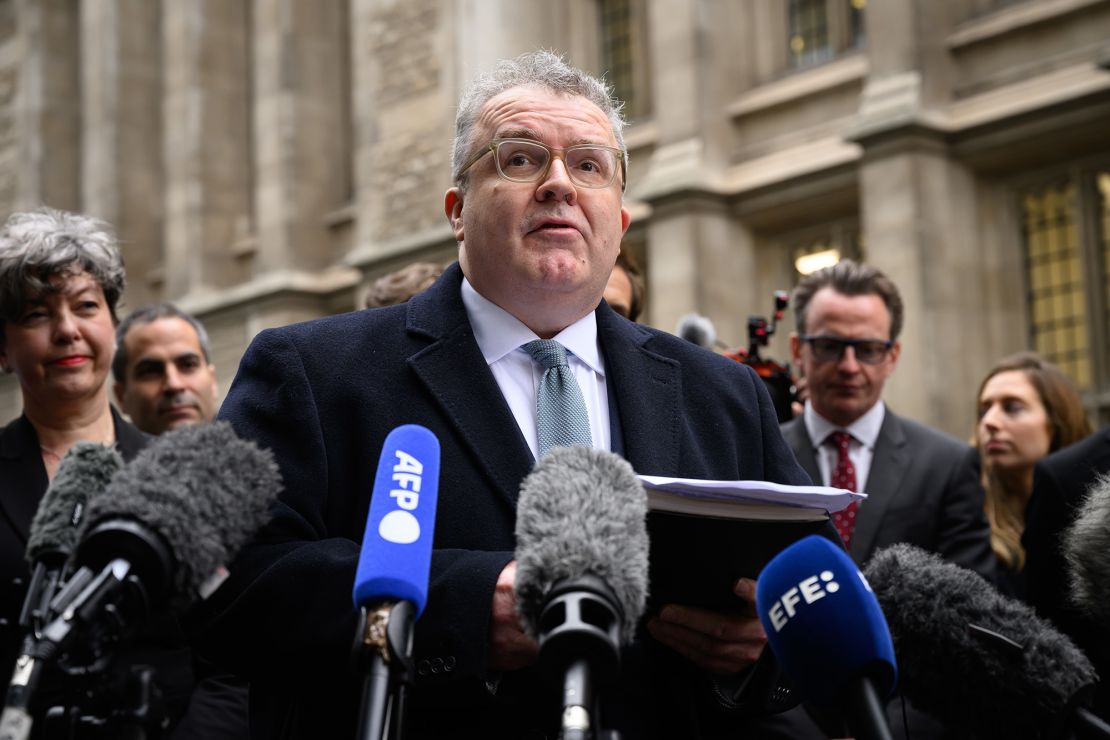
x=864, y=429
x=498, y=332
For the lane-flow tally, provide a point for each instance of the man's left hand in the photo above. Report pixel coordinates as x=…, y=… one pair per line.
x=722, y=643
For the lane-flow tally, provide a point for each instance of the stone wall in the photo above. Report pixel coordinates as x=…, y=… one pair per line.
x=264, y=161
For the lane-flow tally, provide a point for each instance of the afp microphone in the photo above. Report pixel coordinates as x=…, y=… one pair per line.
x=391, y=582
x=825, y=626
x=975, y=659
x=581, y=571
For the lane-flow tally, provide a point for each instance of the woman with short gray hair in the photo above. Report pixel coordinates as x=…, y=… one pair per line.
x=61, y=276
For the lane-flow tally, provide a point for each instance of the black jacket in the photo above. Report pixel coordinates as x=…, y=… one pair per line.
x=324, y=395
x=1060, y=483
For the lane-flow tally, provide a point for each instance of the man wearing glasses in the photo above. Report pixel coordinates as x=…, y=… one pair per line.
x=539, y=166
x=922, y=485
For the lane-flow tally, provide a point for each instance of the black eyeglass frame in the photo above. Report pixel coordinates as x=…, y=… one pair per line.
x=843, y=343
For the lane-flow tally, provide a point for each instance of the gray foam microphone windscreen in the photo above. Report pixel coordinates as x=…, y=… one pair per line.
x=203, y=490
x=83, y=474
x=1018, y=682
x=581, y=512
x=1086, y=545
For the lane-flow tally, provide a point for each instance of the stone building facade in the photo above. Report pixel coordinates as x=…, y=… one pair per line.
x=264, y=160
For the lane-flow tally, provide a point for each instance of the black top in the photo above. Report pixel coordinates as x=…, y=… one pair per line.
x=1060, y=483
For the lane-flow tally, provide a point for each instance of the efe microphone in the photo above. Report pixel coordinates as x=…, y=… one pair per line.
x=391, y=582
x=582, y=571
x=825, y=626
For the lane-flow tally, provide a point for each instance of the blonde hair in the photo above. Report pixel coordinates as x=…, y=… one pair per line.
x=1006, y=516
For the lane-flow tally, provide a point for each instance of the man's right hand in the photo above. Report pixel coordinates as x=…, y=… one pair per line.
x=509, y=647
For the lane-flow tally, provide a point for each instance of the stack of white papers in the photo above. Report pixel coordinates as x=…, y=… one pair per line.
x=750, y=498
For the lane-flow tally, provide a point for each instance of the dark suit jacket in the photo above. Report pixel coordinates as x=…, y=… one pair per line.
x=922, y=489
x=324, y=395
x=1060, y=483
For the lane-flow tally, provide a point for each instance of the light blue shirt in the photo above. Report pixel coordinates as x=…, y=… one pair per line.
x=500, y=335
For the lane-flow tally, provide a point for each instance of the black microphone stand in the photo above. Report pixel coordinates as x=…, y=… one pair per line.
x=580, y=643
x=91, y=615
x=866, y=715
x=383, y=652
x=1086, y=725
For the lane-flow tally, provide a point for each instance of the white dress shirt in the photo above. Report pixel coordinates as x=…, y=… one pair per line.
x=861, y=450
x=500, y=335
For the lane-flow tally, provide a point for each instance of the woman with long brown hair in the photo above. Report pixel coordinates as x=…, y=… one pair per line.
x=1027, y=408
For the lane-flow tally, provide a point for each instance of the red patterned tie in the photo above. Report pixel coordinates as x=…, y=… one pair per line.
x=844, y=476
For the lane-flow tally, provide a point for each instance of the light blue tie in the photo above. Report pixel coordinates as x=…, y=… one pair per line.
x=561, y=418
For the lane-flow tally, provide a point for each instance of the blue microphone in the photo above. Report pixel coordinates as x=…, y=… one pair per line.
x=391, y=582
x=397, y=545
x=825, y=627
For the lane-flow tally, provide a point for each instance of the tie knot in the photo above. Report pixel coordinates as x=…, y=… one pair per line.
x=841, y=440
x=547, y=352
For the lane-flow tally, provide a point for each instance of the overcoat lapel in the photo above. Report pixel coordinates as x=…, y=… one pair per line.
x=455, y=373
x=648, y=393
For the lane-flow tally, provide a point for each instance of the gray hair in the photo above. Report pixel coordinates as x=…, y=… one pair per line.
x=541, y=68
x=851, y=279
x=147, y=315
x=45, y=243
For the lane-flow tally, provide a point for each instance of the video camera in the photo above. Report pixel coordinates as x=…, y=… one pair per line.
x=776, y=376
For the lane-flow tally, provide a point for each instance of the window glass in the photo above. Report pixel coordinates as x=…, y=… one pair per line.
x=623, y=61
x=808, y=32
x=1057, y=316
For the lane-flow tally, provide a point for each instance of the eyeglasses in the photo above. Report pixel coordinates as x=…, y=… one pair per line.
x=525, y=160
x=831, y=349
